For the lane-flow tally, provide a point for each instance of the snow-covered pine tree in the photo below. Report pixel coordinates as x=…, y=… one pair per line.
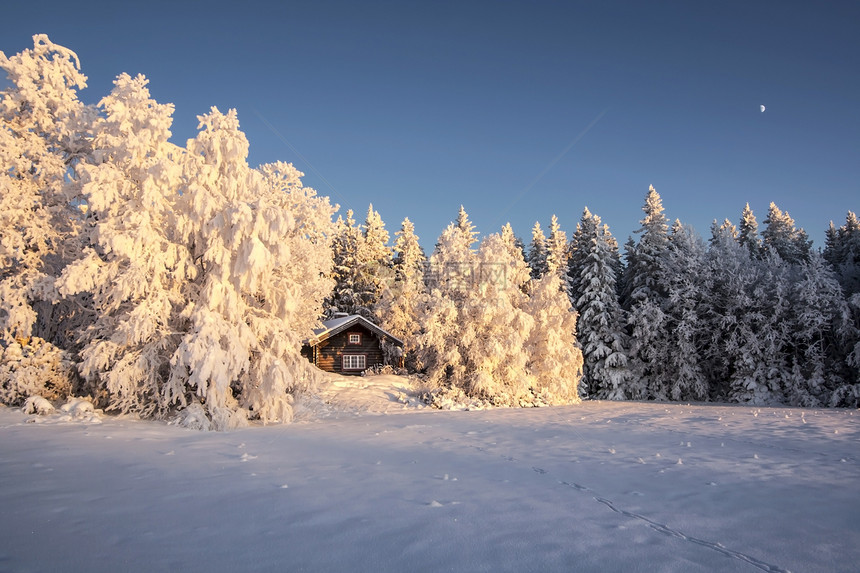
x=848, y=395
x=625, y=277
x=495, y=328
x=686, y=293
x=748, y=232
x=374, y=263
x=729, y=227
x=781, y=235
x=453, y=264
x=823, y=335
x=466, y=227
x=241, y=355
x=514, y=244
x=346, y=295
x=450, y=282
x=601, y=323
x=581, y=245
x=647, y=294
x=842, y=251
x=402, y=299
x=308, y=239
x=747, y=308
x=537, y=252
x=555, y=361
x=557, y=252
x=408, y=252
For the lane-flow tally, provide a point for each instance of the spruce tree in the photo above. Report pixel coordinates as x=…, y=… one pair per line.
x=466, y=227
x=345, y=297
x=842, y=251
x=402, y=298
x=555, y=360
x=600, y=324
x=781, y=235
x=748, y=232
x=374, y=263
x=686, y=293
x=823, y=335
x=747, y=307
x=557, y=250
x=495, y=328
x=647, y=293
x=537, y=252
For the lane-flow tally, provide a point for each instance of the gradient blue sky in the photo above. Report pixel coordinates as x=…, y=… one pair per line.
x=517, y=110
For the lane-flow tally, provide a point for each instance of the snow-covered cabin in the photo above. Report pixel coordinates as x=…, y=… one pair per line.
x=351, y=344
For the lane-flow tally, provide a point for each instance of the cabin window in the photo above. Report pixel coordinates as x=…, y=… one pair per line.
x=354, y=362
x=354, y=338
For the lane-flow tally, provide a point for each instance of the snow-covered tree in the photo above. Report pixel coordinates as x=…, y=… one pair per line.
x=557, y=251
x=842, y=251
x=450, y=282
x=495, y=328
x=350, y=289
x=43, y=136
x=242, y=352
x=480, y=328
x=748, y=232
x=555, y=361
x=403, y=297
x=781, y=235
x=466, y=227
x=645, y=293
x=683, y=308
x=822, y=334
x=453, y=262
x=848, y=394
x=601, y=324
x=138, y=269
x=537, y=252
x=747, y=306
x=375, y=260
x=520, y=271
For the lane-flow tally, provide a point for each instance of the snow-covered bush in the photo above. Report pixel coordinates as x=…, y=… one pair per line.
x=384, y=369
x=193, y=417
x=33, y=367
x=37, y=405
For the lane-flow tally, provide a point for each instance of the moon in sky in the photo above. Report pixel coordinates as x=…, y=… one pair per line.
x=762, y=109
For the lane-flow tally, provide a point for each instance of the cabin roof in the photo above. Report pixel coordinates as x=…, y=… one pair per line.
x=337, y=325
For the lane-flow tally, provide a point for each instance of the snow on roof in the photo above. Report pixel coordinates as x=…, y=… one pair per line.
x=341, y=323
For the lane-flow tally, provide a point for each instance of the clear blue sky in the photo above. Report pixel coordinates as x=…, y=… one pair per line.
x=418, y=107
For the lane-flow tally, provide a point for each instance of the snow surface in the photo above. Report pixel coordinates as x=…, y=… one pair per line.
x=383, y=485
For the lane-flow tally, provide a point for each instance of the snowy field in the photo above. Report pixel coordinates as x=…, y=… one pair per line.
x=368, y=481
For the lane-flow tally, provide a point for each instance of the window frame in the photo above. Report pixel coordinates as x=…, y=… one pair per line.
x=360, y=359
x=349, y=336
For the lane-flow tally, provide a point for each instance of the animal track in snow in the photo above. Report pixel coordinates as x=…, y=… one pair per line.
x=666, y=530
